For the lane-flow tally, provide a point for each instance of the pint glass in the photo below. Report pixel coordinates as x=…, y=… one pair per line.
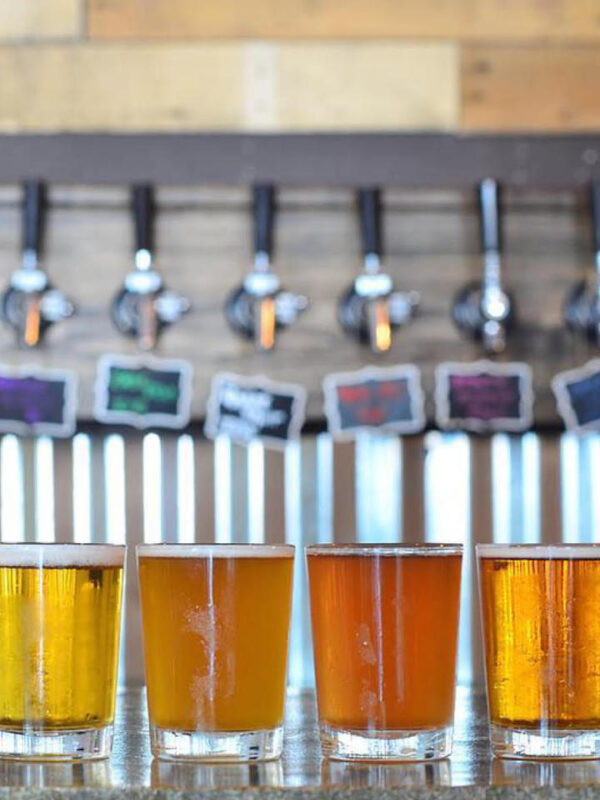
x=541, y=624
x=60, y=608
x=385, y=626
x=216, y=623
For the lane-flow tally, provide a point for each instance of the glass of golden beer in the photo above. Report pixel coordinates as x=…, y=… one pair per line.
x=60, y=609
x=216, y=623
x=541, y=625
x=385, y=629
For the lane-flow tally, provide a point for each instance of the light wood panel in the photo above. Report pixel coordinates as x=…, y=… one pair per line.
x=530, y=88
x=41, y=19
x=229, y=86
x=462, y=19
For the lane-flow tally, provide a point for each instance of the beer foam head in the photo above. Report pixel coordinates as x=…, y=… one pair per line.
x=538, y=551
x=389, y=549
x=215, y=550
x=61, y=555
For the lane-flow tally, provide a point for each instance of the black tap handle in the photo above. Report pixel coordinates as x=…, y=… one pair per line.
x=490, y=215
x=369, y=206
x=263, y=195
x=595, y=198
x=143, y=206
x=34, y=208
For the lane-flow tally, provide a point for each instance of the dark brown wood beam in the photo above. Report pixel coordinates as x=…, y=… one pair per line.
x=420, y=160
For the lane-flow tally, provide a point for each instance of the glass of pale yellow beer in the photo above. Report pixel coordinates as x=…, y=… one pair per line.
x=216, y=624
x=385, y=628
x=60, y=608
x=541, y=625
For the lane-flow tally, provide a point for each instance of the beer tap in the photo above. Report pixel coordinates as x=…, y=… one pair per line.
x=370, y=308
x=260, y=307
x=483, y=310
x=144, y=307
x=582, y=307
x=31, y=304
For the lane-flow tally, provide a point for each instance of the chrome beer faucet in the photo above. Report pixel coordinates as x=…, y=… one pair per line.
x=31, y=304
x=370, y=309
x=144, y=306
x=483, y=310
x=260, y=307
x=582, y=307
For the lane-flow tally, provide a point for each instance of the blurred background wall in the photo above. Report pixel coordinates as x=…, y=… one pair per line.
x=298, y=65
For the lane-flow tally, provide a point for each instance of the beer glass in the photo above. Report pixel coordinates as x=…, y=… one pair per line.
x=385, y=627
x=216, y=623
x=541, y=625
x=60, y=608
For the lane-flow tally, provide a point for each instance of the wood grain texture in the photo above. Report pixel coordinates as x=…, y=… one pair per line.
x=204, y=249
x=229, y=86
x=463, y=19
x=41, y=20
x=530, y=88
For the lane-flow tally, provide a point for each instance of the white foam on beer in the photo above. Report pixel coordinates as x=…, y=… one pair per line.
x=400, y=549
x=543, y=551
x=61, y=555
x=215, y=550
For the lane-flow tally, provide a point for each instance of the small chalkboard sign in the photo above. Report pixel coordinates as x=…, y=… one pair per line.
x=37, y=401
x=484, y=396
x=145, y=393
x=254, y=407
x=384, y=399
x=578, y=396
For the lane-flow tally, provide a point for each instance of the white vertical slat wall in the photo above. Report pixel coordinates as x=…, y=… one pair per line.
x=177, y=488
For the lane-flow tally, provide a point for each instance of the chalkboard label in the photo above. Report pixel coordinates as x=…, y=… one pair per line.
x=145, y=393
x=253, y=407
x=388, y=400
x=578, y=396
x=483, y=396
x=37, y=401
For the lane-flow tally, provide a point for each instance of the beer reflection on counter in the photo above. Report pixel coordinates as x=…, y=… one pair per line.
x=75, y=775
x=417, y=775
x=507, y=772
x=189, y=776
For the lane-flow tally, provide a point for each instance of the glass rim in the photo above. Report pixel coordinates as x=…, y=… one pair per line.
x=214, y=549
x=386, y=548
x=539, y=550
x=61, y=554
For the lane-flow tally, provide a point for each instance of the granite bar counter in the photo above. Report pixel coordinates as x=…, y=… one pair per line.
x=300, y=773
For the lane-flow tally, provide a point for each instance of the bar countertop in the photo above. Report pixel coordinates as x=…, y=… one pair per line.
x=300, y=773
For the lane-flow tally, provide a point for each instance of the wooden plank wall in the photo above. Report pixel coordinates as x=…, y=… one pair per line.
x=255, y=65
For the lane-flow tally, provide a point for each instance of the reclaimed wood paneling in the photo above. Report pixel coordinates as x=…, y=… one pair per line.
x=229, y=86
x=461, y=19
x=204, y=249
x=530, y=88
x=40, y=19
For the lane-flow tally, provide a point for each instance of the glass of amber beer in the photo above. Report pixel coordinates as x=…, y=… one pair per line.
x=60, y=608
x=385, y=628
x=216, y=623
x=541, y=626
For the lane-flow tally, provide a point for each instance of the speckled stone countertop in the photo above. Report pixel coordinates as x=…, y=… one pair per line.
x=301, y=773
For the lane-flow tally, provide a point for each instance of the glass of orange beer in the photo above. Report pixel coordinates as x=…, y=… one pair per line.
x=216, y=623
x=60, y=607
x=541, y=626
x=385, y=629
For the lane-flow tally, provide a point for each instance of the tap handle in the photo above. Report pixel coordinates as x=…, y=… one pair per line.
x=369, y=206
x=143, y=207
x=264, y=215
x=490, y=215
x=34, y=208
x=595, y=201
